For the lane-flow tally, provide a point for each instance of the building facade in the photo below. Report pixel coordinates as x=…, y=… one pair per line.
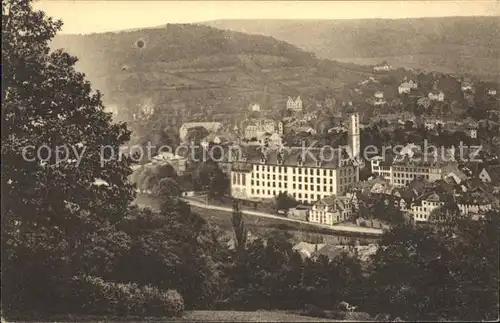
x=407, y=87
x=331, y=210
x=401, y=171
x=294, y=105
x=301, y=175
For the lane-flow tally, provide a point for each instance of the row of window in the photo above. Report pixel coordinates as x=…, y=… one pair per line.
x=297, y=196
x=294, y=186
x=409, y=175
x=306, y=179
x=239, y=179
x=414, y=169
x=300, y=170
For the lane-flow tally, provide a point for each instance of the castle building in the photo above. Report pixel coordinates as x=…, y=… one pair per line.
x=294, y=105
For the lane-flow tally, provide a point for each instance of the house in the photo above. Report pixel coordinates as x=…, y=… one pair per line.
x=307, y=130
x=331, y=210
x=338, y=129
x=490, y=174
x=407, y=87
x=379, y=98
x=422, y=208
x=294, y=105
x=219, y=138
x=382, y=67
x=256, y=128
x=456, y=175
x=209, y=126
x=299, y=212
x=436, y=96
x=467, y=86
x=309, y=116
x=306, y=250
x=254, y=107
x=492, y=92
x=472, y=130
x=274, y=140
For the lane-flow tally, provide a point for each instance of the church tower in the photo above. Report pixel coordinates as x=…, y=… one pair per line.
x=354, y=135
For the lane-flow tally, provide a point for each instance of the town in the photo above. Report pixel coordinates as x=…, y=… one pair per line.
x=270, y=164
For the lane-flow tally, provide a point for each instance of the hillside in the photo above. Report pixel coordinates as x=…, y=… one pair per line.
x=202, y=67
x=454, y=44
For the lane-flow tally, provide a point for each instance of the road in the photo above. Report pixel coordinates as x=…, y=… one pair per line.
x=337, y=228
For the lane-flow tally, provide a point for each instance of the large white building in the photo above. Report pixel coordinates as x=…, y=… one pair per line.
x=299, y=172
x=307, y=174
x=400, y=170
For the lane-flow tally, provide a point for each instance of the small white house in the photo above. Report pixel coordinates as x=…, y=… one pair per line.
x=436, y=96
x=254, y=107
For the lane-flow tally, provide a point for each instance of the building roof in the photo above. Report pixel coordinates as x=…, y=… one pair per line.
x=307, y=249
x=223, y=136
x=295, y=156
x=494, y=173
x=210, y=126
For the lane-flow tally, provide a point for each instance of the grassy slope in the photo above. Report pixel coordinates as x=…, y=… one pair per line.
x=241, y=316
x=458, y=44
x=188, y=316
x=202, y=65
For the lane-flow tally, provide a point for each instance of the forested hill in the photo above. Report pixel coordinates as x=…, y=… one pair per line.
x=174, y=42
x=450, y=44
x=197, y=63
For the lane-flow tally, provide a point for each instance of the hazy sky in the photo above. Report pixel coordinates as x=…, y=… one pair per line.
x=100, y=16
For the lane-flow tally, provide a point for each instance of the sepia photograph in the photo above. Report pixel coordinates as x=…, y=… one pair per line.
x=250, y=161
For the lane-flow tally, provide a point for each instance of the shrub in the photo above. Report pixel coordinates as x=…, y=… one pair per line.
x=93, y=295
x=358, y=316
x=382, y=317
x=314, y=311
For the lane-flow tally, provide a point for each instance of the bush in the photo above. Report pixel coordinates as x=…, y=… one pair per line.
x=93, y=295
x=314, y=311
x=358, y=316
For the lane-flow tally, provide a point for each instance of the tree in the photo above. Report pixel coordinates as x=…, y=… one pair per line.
x=240, y=232
x=197, y=134
x=52, y=208
x=172, y=248
x=428, y=274
x=167, y=188
x=409, y=125
x=285, y=201
x=212, y=178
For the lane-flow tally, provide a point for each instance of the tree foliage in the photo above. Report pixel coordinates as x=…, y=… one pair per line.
x=51, y=207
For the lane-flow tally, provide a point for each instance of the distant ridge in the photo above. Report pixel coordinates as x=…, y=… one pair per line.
x=449, y=44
